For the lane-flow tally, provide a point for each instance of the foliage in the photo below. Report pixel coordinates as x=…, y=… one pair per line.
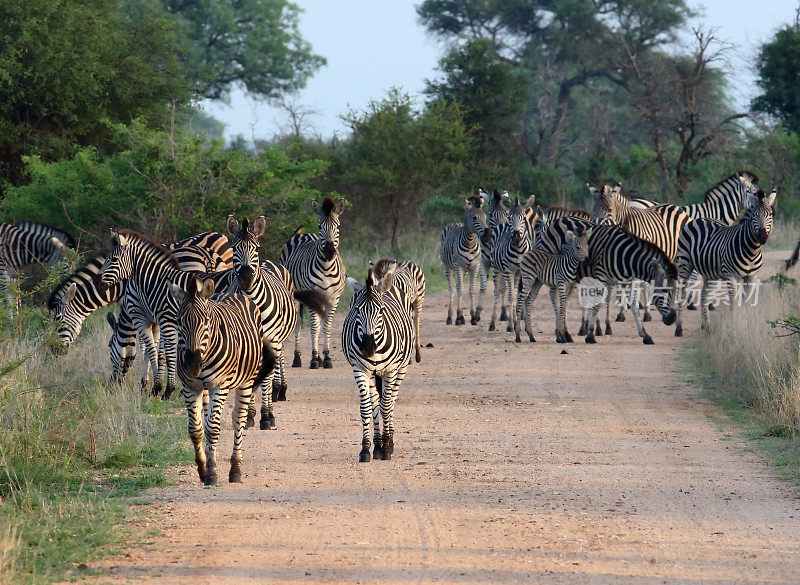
x=398, y=158
x=68, y=67
x=166, y=184
x=253, y=43
x=778, y=65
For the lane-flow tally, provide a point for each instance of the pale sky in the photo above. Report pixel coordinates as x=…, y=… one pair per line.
x=372, y=45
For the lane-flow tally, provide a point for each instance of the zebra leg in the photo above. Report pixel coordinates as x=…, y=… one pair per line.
x=376, y=390
x=513, y=290
x=316, y=361
x=522, y=296
x=681, y=299
x=704, y=305
x=590, y=329
x=498, y=293
x=147, y=335
x=692, y=281
x=391, y=386
x=564, y=290
x=169, y=335
x=503, y=292
x=326, y=352
x=646, y=296
x=484, y=275
x=459, y=310
x=556, y=312
x=192, y=398
x=620, y=304
x=279, y=388
x=297, y=362
x=243, y=399
x=365, y=401
x=213, y=422
x=417, y=325
x=267, y=388
x=449, y=275
x=474, y=278
x=634, y=301
x=608, y=311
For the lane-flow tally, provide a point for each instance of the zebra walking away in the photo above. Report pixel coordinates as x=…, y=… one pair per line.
x=461, y=253
x=718, y=251
x=410, y=277
x=377, y=338
x=314, y=263
x=221, y=349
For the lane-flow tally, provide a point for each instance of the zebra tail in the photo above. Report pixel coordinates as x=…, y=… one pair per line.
x=793, y=260
x=314, y=300
x=268, y=360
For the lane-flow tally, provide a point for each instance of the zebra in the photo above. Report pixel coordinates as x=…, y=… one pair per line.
x=616, y=256
x=377, y=338
x=560, y=273
x=147, y=267
x=497, y=206
x=314, y=263
x=718, y=251
x=25, y=244
x=461, y=252
x=512, y=242
x=412, y=279
x=270, y=286
x=221, y=349
x=212, y=249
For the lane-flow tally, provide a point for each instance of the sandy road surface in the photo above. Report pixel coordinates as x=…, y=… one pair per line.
x=513, y=464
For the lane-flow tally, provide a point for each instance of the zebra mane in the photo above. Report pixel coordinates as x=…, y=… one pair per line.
x=159, y=249
x=35, y=226
x=327, y=205
x=748, y=175
x=570, y=211
x=476, y=201
x=86, y=272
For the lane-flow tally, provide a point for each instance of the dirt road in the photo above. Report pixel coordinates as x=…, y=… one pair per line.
x=513, y=464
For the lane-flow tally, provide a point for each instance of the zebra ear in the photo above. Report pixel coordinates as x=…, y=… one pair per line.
x=339, y=209
x=570, y=236
x=593, y=190
x=232, y=225
x=587, y=232
x=387, y=280
x=207, y=289
x=770, y=199
x=529, y=202
x=354, y=285
x=177, y=292
x=260, y=226
x=70, y=294
x=465, y=203
x=315, y=206
x=111, y=320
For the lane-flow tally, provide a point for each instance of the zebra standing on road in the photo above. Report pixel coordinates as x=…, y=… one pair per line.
x=314, y=263
x=560, y=273
x=512, y=242
x=718, y=251
x=409, y=276
x=221, y=350
x=496, y=209
x=377, y=339
x=461, y=252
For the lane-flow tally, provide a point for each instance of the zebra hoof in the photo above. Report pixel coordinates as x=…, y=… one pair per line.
x=274, y=395
x=473, y=321
x=503, y=315
x=509, y=329
x=647, y=340
x=491, y=326
x=608, y=328
x=315, y=362
x=477, y=317
x=449, y=321
x=326, y=363
x=518, y=339
x=272, y=423
x=646, y=317
x=297, y=362
x=282, y=393
x=679, y=332
x=582, y=330
x=620, y=318
x=590, y=339
x=460, y=320
x=250, y=422
x=157, y=388
x=263, y=424
x=377, y=453
x=531, y=338
x=560, y=339
x=712, y=307
x=385, y=455
x=568, y=337
x=235, y=476
x=364, y=457
x=691, y=307
x=210, y=478
x=168, y=392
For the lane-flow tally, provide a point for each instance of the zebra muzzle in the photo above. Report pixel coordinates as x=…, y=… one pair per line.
x=246, y=278
x=328, y=250
x=192, y=362
x=367, y=345
x=763, y=236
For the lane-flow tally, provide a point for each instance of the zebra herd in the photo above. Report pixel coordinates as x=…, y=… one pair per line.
x=209, y=312
x=623, y=240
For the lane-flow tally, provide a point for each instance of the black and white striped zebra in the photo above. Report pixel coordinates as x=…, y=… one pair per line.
x=270, y=286
x=377, y=339
x=25, y=244
x=460, y=252
x=410, y=277
x=147, y=268
x=496, y=208
x=220, y=349
x=721, y=252
x=615, y=256
x=560, y=273
x=513, y=240
x=314, y=263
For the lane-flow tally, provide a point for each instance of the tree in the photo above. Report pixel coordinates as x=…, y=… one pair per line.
x=69, y=67
x=398, y=158
x=252, y=43
x=778, y=67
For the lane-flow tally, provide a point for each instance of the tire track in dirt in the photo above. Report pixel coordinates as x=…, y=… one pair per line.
x=513, y=464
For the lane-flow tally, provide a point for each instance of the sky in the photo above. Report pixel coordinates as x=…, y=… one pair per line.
x=373, y=45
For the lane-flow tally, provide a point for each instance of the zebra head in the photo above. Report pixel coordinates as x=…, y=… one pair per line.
x=604, y=211
x=245, y=248
x=121, y=347
x=541, y=227
x=496, y=208
x=576, y=246
x=759, y=216
x=328, y=214
x=118, y=264
x=66, y=318
x=746, y=188
x=194, y=323
x=516, y=218
x=475, y=218
x=367, y=308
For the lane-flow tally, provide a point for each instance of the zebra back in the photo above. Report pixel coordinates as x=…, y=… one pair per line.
x=725, y=200
x=213, y=250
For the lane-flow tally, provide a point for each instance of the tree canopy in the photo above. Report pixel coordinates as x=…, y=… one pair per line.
x=778, y=66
